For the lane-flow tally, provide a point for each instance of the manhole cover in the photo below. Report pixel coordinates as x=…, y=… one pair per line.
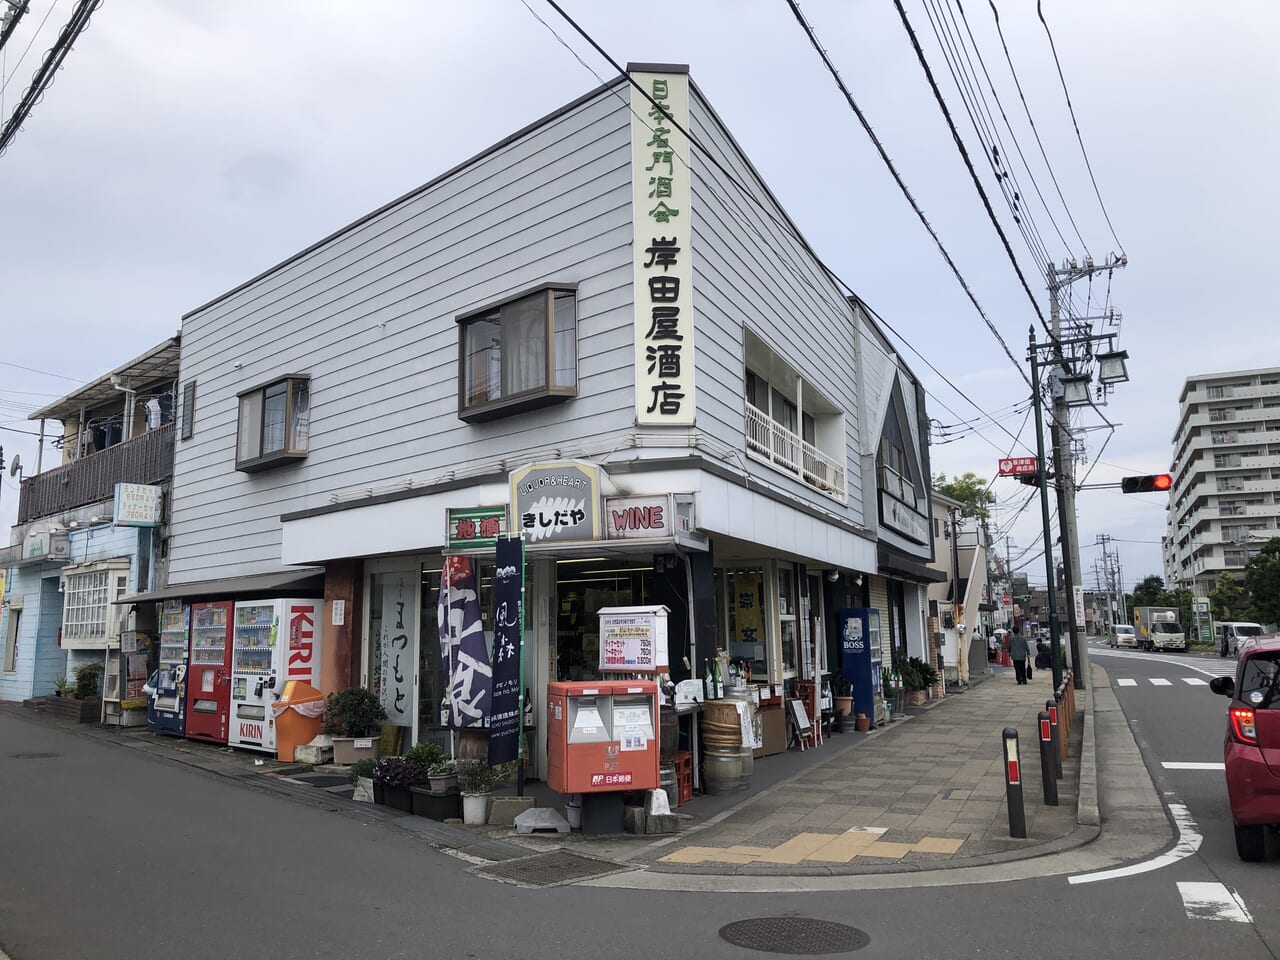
x=549, y=869
x=794, y=935
x=33, y=756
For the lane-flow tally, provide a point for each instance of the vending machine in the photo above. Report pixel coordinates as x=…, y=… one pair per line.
x=168, y=709
x=209, y=672
x=274, y=641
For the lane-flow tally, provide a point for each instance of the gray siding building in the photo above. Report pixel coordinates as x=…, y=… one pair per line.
x=598, y=333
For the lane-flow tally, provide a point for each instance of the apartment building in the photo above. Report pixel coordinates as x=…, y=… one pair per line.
x=1225, y=501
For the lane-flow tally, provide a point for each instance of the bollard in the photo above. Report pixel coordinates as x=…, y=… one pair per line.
x=1064, y=726
x=1047, y=753
x=1055, y=737
x=1013, y=784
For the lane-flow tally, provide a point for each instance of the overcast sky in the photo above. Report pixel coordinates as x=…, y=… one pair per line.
x=184, y=147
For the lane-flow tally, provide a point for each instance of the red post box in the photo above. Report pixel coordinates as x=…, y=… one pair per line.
x=602, y=736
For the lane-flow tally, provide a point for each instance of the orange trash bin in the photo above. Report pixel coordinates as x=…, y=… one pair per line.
x=298, y=714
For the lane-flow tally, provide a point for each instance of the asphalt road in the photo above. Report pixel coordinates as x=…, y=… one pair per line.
x=108, y=853
x=1177, y=722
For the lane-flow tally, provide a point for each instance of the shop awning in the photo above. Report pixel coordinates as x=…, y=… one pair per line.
x=895, y=564
x=306, y=581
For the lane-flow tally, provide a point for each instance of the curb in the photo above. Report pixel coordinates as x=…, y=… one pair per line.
x=1087, y=811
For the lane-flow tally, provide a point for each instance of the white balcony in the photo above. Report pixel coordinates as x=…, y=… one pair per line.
x=772, y=443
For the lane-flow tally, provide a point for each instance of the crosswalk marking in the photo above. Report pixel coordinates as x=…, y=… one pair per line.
x=1212, y=901
x=1126, y=682
x=1195, y=681
x=1160, y=682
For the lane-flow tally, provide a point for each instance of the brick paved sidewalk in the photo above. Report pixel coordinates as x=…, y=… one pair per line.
x=923, y=793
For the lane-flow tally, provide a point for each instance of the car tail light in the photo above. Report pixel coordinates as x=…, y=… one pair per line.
x=1242, y=725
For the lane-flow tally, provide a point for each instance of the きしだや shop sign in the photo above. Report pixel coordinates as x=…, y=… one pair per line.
x=559, y=501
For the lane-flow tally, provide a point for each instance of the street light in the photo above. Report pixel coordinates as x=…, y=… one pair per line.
x=1111, y=366
x=1075, y=390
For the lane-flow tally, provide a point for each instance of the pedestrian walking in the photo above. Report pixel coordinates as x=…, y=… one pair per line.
x=1019, y=650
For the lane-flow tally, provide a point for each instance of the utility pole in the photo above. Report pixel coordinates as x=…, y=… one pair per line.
x=1061, y=278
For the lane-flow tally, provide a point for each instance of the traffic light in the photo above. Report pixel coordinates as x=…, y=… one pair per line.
x=1033, y=479
x=1153, y=483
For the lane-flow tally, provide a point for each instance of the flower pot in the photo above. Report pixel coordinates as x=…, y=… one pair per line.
x=379, y=797
x=475, y=808
x=844, y=705
x=398, y=798
x=427, y=803
x=441, y=785
x=347, y=750
x=862, y=723
x=916, y=698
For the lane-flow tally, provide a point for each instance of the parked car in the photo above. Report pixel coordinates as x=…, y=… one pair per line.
x=1252, y=747
x=1123, y=635
x=1231, y=633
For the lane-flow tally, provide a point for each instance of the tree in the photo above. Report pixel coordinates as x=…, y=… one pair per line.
x=970, y=490
x=1262, y=580
x=1148, y=593
x=1227, y=600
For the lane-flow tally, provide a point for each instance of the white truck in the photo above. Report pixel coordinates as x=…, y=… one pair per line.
x=1158, y=628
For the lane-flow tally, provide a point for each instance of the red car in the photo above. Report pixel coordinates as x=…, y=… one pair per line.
x=1253, y=743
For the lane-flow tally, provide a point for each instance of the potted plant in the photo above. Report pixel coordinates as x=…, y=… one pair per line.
x=842, y=693
x=361, y=777
x=395, y=778
x=477, y=780
x=928, y=674
x=87, y=677
x=912, y=683
x=62, y=687
x=353, y=717
x=444, y=776
x=425, y=755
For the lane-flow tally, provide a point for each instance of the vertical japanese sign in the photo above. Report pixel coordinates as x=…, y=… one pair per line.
x=394, y=649
x=746, y=598
x=508, y=627
x=660, y=185
x=463, y=649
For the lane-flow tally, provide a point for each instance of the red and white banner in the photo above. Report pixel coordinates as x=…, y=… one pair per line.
x=1017, y=466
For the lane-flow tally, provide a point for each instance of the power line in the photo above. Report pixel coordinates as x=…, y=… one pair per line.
x=866, y=125
x=43, y=373
x=1066, y=93
x=964, y=153
x=1045, y=156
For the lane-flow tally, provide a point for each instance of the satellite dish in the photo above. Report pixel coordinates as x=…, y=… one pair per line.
x=17, y=465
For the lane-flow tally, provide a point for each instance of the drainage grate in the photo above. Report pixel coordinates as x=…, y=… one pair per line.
x=550, y=869
x=794, y=935
x=33, y=756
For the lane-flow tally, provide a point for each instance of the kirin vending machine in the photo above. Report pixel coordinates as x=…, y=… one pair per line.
x=167, y=710
x=275, y=641
x=602, y=736
x=209, y=672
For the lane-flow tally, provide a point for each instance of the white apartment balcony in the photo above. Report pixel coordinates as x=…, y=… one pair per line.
x=772, y=443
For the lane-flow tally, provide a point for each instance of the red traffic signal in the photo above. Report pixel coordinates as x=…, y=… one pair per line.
x=1152, y=483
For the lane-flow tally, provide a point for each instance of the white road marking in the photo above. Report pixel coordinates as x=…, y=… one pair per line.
x=1212, y=901
x=1126, y=682
x=1184, y=662
x=1189, y=840
x=1160, y=682
x=1193, y=766
x=1195, y=681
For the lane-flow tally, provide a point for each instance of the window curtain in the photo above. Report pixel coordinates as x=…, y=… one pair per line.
x=524, y=338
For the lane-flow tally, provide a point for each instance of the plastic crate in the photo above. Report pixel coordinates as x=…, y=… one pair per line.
x=684, y=784
x=684, y=763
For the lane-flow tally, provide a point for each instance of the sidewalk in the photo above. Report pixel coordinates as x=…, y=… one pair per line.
x=924, y=793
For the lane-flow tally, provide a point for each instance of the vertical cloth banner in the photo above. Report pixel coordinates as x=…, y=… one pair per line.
x=463, y=649
x=508, y=631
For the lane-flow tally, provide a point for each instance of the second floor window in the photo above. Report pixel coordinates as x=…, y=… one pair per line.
x=275, y=423
x=519, y=354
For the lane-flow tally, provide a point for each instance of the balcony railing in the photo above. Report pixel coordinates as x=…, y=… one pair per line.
x=771, y=441
x=144, y=459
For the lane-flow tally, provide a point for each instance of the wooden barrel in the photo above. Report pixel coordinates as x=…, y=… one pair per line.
x=748, y=763
x=669, y=735
x=667, y=782
x=720, y=725
x=721, y=770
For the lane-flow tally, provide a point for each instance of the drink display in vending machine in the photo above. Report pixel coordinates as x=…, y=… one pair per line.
x=167, y=710
x=274, y=641
x=209, y=672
